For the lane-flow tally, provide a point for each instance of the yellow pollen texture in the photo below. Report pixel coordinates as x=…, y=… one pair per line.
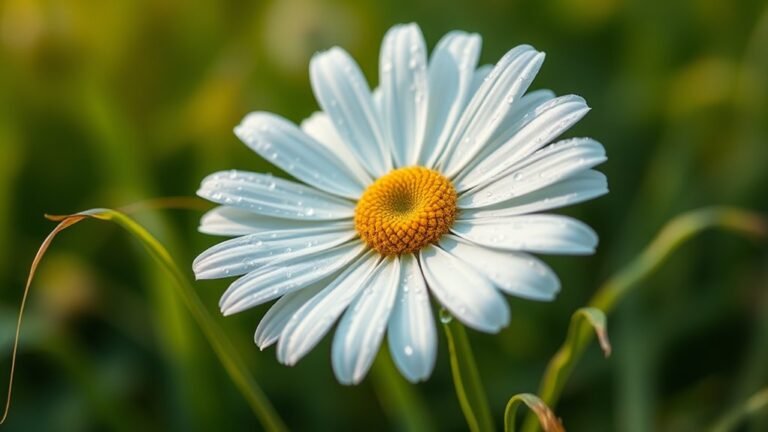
x=405, y=210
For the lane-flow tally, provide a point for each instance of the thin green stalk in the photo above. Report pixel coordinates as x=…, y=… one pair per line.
x=217, y=338
x=670, y=238
x=466, y=378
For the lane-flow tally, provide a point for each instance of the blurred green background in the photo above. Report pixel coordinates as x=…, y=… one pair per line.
x=105, y=103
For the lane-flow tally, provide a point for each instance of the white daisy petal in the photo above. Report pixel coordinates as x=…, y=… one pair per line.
x=285, y=145
x=272, y=196
x=521, y=114
x=549, y=120
x=404, y=91
x=310, y=323
x=466, y=293
x=231, y=221
x=359, y=334
x=451, y=74
x=342, y=91
x=320, y=127
x=489, y=106
x=549, y=165
x=515, y=273
x=411, y=329
x=478, y=78
x=245, y=254
x=276, y=318
x=571, y=190
x=543, y=233
x=281, y=277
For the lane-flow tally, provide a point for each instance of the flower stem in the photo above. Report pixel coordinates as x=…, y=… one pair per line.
x=466, y=378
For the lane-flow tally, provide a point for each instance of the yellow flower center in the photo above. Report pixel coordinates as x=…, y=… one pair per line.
x=405, y=210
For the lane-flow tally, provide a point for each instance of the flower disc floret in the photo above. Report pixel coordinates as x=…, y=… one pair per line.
x=406, y=210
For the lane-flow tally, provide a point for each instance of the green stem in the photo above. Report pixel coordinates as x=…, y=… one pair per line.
x=466, y=378
x=670, y=238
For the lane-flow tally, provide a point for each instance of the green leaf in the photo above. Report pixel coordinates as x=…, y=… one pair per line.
x=547, y=419
x=583, y=322
x=466, y=378
x=673, y=235
x=225, y=351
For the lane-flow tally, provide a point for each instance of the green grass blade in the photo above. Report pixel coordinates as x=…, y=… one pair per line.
x=547, y=419
x=466, y=378
x=584, y=322
x=673, y=235
x=218, y=339
x=225, y=351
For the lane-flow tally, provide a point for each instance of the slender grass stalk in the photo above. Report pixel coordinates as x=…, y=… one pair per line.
x=547, y=419
x=732, y=419
x=226, y=352
x=674, y=234
x=466, y=378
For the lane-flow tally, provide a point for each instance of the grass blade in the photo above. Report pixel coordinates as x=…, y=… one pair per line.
x=584, y=322
x=466, y=378
x=225, y=351
x=673, y=235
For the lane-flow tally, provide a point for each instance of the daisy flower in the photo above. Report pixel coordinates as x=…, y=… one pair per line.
x=428, y=189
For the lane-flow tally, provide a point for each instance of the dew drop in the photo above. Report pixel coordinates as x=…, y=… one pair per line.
x=445, y=316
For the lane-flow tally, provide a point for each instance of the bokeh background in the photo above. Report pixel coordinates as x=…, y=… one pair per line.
x=105, y=103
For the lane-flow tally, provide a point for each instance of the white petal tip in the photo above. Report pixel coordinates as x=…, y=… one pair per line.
x=228, y=311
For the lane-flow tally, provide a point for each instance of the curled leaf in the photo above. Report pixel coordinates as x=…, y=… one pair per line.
x=547, y=419
x=584, y=322
x=596, y=318
x=64, y=224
